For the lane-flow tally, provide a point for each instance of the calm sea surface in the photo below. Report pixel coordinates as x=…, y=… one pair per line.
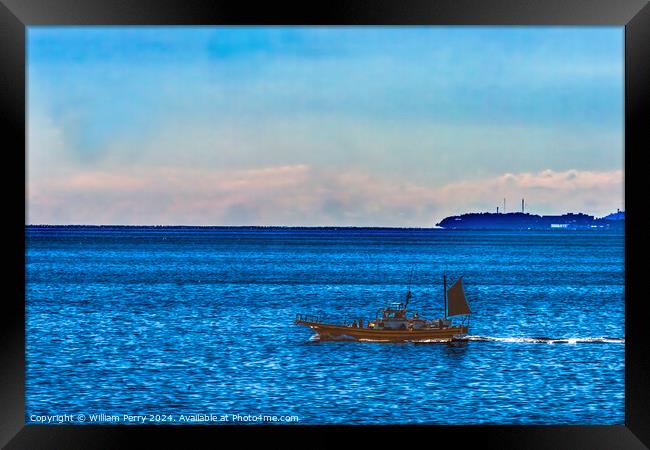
x=177, y=321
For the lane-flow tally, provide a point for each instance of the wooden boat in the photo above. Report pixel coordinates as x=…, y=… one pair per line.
x=396, y=323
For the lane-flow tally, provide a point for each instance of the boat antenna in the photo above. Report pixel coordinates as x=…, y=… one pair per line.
x=408, y=290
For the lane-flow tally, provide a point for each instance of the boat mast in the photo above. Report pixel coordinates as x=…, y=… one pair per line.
x=444, y=287
x=408, y=291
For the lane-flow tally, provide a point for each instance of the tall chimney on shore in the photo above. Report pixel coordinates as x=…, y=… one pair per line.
x=504, y=206
x=522, y=205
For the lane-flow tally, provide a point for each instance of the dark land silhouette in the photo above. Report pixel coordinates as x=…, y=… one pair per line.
x=526, y=221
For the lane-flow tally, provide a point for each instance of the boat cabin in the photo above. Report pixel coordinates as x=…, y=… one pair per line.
x=394, y=311
x=396, y=317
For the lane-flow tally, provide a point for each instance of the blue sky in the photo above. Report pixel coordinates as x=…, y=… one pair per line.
x=379, y=126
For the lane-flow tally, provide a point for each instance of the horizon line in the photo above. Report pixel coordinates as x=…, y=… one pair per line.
x=42, y=225
x=434, y=226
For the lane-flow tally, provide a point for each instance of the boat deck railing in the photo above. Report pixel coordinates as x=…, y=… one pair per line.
x=324, y=319
x=345, y=322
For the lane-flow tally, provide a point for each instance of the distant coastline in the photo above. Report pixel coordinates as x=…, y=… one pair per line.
x=527, y=221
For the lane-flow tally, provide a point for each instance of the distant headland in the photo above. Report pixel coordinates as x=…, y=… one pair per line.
x=526, y=221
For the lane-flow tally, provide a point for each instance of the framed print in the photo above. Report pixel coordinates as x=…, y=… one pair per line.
x=357, y=221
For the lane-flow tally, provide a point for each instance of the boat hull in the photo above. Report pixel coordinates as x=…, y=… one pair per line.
x=337, y=332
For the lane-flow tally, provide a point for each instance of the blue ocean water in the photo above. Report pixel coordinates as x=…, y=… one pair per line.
x=197, y=322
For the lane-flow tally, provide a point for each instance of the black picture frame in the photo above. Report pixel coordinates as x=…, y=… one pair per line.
x=16, y=15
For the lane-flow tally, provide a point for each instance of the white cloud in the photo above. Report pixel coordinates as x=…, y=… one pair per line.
x=303, y=195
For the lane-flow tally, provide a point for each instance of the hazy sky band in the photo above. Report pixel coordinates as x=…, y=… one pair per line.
x=380, y=126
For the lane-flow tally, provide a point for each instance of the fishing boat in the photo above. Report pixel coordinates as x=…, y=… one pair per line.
x=396, y=323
